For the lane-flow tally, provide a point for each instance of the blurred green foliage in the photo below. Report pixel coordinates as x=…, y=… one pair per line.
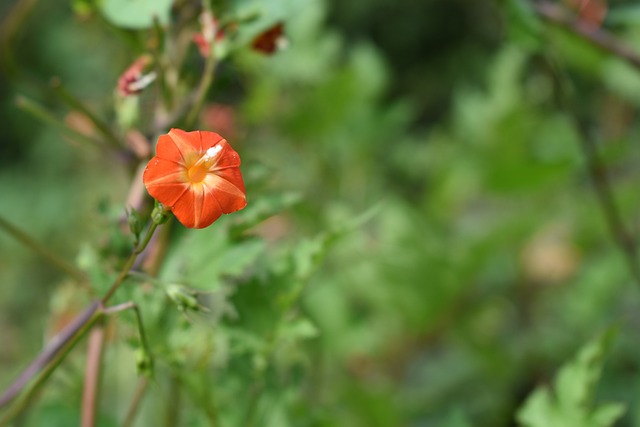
x=422, y=244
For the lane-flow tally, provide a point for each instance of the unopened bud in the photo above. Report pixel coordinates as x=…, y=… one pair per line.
x=184, y=298
x=144, y=363
x=160, y=213
x=135, y=223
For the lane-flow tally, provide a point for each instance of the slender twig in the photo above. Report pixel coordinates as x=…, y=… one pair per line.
x=142, y=387
x=136, y=310
x=604, y=191
x=597, y=36
x=49, y=256
x=92, y=376
x=9, y=28
x=75, y=103
x=45, y=116
x=129, y=263
x=49, y=353
x=50, y=359
x=599, y=176
x=60, y=345
x=205, y=80
x=173, y=408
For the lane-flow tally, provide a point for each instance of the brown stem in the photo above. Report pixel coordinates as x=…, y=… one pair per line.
x=597, y=36
x=63, y=342
x=47, y=355
x=92, y=376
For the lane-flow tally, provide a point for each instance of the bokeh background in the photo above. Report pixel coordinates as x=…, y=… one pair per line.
x=471, y=259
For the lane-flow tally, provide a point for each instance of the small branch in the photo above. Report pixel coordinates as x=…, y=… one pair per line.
x=75, y=103
x=602, y=185
x=92, y=377
x=599, y=176
x=143, y=383
x=205, y=81
x=45, y=116
x=129, y=263
x=601, y=38
x=49, y=359
x=172, y=415
x=55, y=352
x=49, y=256
x=136, y=310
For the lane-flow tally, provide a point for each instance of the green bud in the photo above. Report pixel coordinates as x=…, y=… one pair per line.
x=135, y=223
x=183, y=297
x=160, y=213
x=144, y=363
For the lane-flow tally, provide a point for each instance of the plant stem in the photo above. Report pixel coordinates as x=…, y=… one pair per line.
x=75, y=103
x=205, y=81
x=60, y=346
x=92, y=377
x=49, y=256
x=45, y=116
x=604, y=40
x=54, y=354
x=173, y=407
x=599, y=176
x=133, y=306
x=604, y=192
x=143, y=382
x=129, y=263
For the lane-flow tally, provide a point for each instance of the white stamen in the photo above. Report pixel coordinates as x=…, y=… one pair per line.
x=212, y=152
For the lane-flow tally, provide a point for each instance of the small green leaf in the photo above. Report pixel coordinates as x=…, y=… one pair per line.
x=572, y=404
x=136, y=14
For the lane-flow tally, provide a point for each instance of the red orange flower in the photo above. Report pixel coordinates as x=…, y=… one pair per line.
x=197, y=176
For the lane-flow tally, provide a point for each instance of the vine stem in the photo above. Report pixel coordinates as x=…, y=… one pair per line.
x=597, y=36
x=143, y=384
x=58, y=348
x=92, y=377
x=49, y=256
x=124, y=272
x=599, y=176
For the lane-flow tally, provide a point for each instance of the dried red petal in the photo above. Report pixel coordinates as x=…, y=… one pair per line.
x=131, y=81
x=211, y=31
x=197, y=176
x=591, y=12
x=268, y=41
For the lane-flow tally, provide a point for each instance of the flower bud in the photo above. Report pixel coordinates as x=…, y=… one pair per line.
x=144, y=363
x=135, y=223
x=184, y=298
x=159, y=214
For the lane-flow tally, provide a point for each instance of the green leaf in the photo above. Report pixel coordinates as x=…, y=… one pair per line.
x=571, y=403
x=136, y=14
x=523, y=24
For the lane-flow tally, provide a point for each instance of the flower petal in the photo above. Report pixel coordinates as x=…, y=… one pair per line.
x=197, y=208
x=226, y=158
x=167, y=149
x=187, y=142
x=226, y=193
x=164, y=180
x=233, y=176
x=209, y=139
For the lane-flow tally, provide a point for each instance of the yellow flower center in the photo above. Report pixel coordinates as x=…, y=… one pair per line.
x=198, y=172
